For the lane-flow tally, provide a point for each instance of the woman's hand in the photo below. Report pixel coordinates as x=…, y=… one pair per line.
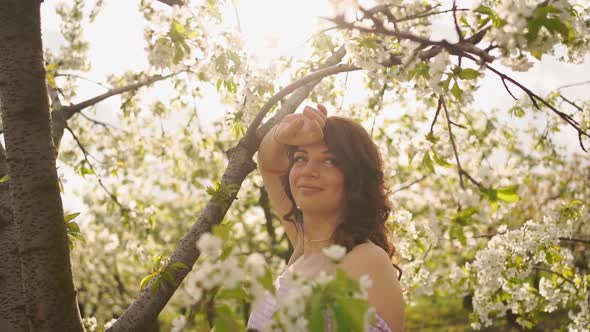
x=302, y=129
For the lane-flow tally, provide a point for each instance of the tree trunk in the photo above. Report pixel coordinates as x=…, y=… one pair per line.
x=38, y=218
x=12, y=305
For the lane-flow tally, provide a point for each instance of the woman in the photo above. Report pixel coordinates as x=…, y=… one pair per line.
x=324, y=176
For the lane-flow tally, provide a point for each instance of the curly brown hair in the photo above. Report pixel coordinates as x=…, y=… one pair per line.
x=366, y=206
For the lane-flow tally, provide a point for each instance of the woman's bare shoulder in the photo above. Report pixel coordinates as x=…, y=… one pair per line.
x=365, y=256
x=385, y=294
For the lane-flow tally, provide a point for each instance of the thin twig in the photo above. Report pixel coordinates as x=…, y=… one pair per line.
x=534, y=98
x=457, y=28
x=438, y=107
x=564, y=239
x=113, y=197
x=83, y=78
x=459, y=168
x=100, y=123
x=540, y=268
x=571, y=103
x=406, y=186
x=507, y=89
x=573, y=84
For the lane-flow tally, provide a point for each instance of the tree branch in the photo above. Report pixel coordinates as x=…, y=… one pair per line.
x=147, y=306
x=460, y=48
x=69, y=111
x=172, y=2
x=534, y=98
x=61, y=114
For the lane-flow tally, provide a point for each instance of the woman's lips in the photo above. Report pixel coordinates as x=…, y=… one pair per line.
x=309, y=189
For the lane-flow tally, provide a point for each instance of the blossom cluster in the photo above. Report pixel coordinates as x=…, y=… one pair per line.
x=413, y=242
x=499, y=273
x=223, y=268
x=526, y=28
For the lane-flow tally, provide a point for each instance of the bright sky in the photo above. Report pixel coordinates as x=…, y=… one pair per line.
x=272, y=28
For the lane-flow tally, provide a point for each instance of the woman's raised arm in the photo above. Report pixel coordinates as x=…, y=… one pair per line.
x=273, y=163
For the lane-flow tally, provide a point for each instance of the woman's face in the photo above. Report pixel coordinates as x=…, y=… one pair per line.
x=316, y=182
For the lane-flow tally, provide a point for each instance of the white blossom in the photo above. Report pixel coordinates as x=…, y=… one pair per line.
x=178, y=324
x=365, y=282
x=89, y=323
x=210, y=245
x=256, y=264
x=334, y=252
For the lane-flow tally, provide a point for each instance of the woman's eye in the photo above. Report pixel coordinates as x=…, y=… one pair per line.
x=331, y=161
x=298, y=159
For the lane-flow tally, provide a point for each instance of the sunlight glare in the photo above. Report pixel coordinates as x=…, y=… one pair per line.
x=274, y=28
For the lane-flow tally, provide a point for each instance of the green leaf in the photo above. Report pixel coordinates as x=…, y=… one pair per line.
x=222, y=193
x=508, y=194
x=168, y=278
x=427, y=163
x=342, y=284
x=226, y=320
x=456, y=91
x=156, y=286
x=349, y=313
x=237, y=129
x=83, y=170
x=420, y=70
x=237, y=293
x=4, y=178
x=146, y=280
x=176, y=30
x=267, y=282
x=468, y=74
x=556, y=25
x=316, y=314
x=517, y=111
x=223, y=231
x=431, y=138
x=439, y=160
x=463, y=217
x=484, y=10
x=457, y=232
x=491, y=194
x=178, y=265
x=73, y=228
x=71, y=216
x=553, y=255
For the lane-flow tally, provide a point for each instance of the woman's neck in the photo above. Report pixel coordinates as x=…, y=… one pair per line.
x=318, y=232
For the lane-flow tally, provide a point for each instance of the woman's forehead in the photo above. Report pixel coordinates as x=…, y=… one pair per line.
x=313, y=148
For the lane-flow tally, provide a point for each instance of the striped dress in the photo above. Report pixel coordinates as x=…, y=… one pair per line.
x=262, y=314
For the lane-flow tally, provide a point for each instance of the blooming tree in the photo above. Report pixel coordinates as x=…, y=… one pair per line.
x=488, y=207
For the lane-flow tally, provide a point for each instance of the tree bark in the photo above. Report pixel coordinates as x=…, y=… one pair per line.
x=47, y=284
x=12, y=305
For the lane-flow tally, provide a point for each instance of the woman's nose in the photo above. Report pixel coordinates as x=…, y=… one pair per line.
x=310, y=169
